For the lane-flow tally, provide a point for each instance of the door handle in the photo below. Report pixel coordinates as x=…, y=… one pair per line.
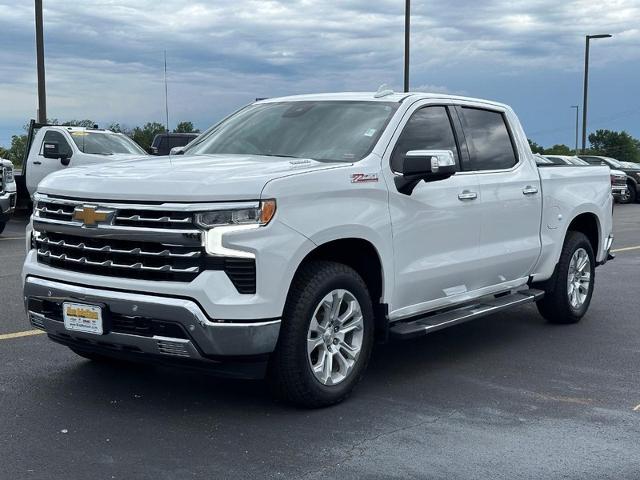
x=37, y=162
x=529, y=190
x=467, y=195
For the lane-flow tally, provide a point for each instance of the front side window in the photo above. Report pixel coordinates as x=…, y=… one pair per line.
x=63, y=146
x=488, y=138
x=331, y=131
x=99, y=143
x=428, y=129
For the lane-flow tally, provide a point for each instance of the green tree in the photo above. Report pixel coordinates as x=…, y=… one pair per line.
x=80, y=123
x=558, y=149
x=618, y=145
x=185, y=127
x=15, y=153
x=143, y=136
x=535, y=148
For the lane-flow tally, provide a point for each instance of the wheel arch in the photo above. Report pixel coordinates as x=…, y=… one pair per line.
x=588, y=224
x=361, y=255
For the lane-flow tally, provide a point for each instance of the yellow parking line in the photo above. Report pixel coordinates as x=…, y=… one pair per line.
x=12, y=238
x=27, y=333
x=626, y=249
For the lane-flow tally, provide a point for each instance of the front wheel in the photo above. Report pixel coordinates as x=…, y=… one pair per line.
x=326, y=336
x=568, y=292
x=2, y=225
x=632, y=196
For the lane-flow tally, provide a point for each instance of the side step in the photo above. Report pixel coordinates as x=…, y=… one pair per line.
x=438, y=321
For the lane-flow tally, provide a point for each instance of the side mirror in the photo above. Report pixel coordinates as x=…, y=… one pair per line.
x=153, y=150
x=176, y=151
x=427, y=165
x=52, y=150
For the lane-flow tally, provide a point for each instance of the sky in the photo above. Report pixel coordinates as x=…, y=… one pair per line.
x=104, y=58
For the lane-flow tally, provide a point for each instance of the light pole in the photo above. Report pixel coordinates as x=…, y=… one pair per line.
x=407, y=25
x=577, y=107
x=586, y=86
x=42, y=96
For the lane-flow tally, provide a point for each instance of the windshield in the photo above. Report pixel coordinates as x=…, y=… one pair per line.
x=577, y=161
x=630, y=165
x=103, y=143
x=336, y=131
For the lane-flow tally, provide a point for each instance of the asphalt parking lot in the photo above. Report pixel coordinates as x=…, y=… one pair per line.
x=505, y=397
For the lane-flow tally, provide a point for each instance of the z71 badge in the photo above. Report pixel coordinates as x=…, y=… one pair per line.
x=364, y=177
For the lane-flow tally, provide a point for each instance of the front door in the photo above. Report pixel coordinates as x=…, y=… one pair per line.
x=436, y=229
x=39, y=166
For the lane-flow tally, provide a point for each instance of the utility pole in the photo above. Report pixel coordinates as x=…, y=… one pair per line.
x=407, y=26
x=586, y=86
x=577, y=107
x=42, y=95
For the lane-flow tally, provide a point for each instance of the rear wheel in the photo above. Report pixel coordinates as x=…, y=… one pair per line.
x=326, y=336
x=568, y=293
x=632, y=196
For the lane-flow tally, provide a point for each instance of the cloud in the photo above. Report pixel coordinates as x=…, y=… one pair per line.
x=105, y=57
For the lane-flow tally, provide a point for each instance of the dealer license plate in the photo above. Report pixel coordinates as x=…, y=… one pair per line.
x=82, y=318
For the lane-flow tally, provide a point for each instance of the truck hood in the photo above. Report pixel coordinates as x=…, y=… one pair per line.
x=196, y=178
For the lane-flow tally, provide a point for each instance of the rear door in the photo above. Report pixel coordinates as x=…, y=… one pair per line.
x=510, y=194
x=436, y=229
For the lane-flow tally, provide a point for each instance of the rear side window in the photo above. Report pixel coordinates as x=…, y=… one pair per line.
x=488, y=138
x=63, y=145
x=428, y=129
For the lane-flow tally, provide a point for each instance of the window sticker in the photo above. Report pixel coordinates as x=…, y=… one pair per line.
x=370, y=133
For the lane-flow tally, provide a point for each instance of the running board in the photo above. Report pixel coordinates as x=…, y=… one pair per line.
x=438, y=321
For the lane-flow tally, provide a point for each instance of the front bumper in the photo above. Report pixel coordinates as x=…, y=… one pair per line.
x=7, y=205
x=134, y=324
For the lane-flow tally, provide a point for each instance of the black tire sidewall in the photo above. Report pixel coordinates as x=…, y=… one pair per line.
x=324, y=278
x=575, y=242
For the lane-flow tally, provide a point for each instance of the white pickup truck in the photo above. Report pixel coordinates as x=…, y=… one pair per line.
x=7, y=192
x=300, y=229
x=56, y=147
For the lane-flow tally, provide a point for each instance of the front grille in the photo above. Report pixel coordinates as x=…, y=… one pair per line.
x=125, y=217
x=131, y=259
x=146, y=242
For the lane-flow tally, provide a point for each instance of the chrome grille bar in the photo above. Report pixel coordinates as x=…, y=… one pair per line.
x=108, y=249
x=111, y=264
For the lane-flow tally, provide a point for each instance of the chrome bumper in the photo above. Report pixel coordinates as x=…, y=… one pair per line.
x=205, y=339
x=7, y=204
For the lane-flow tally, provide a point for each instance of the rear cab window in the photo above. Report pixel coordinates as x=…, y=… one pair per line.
x=489, y=140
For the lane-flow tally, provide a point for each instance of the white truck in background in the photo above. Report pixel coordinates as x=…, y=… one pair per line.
x=8, y=193
x=57, y=147
x=290, y=235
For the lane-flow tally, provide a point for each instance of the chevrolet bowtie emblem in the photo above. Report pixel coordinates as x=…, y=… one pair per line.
x=91, y=216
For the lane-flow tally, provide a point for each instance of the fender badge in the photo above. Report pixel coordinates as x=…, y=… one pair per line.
x=364, y=177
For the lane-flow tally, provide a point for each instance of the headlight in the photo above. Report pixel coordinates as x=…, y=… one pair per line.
x=251, y=214
x=233, y=219
x=8, y=174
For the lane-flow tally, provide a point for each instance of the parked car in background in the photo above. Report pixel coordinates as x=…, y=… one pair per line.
x=619, y=188
x=301, y=229
x=631, y=170
x=51, y=148
x=164, y=142
x=8, y=193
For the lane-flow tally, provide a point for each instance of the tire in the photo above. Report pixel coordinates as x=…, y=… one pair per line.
x=2, y=225
x=317, y=286
x=633, y=194
x=558, y=305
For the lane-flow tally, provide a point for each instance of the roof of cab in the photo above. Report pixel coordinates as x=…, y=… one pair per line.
x=372, y=97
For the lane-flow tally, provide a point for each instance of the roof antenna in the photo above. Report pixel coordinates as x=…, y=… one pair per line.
x=383, y=91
